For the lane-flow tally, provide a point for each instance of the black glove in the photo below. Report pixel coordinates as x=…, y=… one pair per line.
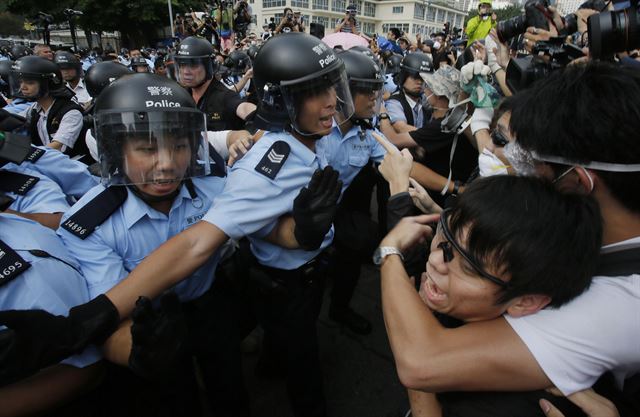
x=38, y=339
x=315, y=207
x=159, y=338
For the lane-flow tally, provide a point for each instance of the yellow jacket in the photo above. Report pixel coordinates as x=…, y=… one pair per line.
x=478, y=28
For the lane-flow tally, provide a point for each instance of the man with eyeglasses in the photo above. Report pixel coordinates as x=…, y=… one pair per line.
x=572, y=346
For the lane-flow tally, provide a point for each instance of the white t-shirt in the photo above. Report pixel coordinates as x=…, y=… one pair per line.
x=597, y=332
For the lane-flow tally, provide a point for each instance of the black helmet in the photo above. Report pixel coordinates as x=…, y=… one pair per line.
x=363, y=49
x=352, y=8
x=67, y=60
x=365, y=78
x=138, y=61
x=34, y=68
x=5, y=67
x=238, y=62
x=393, y=64
x=158, y=114
x=290, y=68
x=413, y=64
x=253, y=51
x=18, y=51
x=102, y=74
x=191, y=52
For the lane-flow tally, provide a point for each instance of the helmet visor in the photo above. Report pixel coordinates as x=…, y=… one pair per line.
x=156, y=147
x=193, y=72
x=367, y=97
x=27, y=86
x=315, y=103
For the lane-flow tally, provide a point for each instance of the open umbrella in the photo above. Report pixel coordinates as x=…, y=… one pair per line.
x=344, y=39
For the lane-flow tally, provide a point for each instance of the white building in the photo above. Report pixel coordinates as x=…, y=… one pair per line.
x=568, y=6
x=495, y=4
x=374, y=16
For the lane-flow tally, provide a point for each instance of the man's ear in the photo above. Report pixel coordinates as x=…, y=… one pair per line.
x=527, y=304
x=586, y=178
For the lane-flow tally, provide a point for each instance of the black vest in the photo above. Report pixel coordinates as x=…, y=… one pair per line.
x=408, y=111
x=213, y=105
x=60, y=107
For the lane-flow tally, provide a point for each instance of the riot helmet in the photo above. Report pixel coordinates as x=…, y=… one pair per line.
x=365, y=83
x=149, y=133
x=238, y=62
x=67, y=63
x=411, y=66
x=290, y=70
x=18, y=51
x=252, y=52
x=102, y=74
x=5, y=67
x=195, y=62
x=393, y=64
x=139, y=64
x=32, y=77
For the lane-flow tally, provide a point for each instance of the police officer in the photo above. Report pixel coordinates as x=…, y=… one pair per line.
x=40, y=273
x=25, y=191
x=71, y=69
x=55, y=120
x=241, y=73
x=392, y=69
x=405, y=108
x=139, y=64
x=195, y=69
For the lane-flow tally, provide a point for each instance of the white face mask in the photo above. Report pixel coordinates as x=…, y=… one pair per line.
x=485, y=17
x=490, y=164
x=436, y=45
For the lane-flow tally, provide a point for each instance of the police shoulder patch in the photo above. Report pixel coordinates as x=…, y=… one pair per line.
x=34, y=155
x=11, y=264
x=84, y=221
x=274, y=159
x=14, y=182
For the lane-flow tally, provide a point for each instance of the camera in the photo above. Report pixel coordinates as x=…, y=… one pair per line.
x=547, y=56
x=536, y=14
x=614, y=31
x=289, y=17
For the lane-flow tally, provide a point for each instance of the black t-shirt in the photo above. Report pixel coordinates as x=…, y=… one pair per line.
x=220, y=105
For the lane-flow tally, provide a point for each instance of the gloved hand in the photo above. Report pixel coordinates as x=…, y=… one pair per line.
x=472, y=69
x=159, y=337
x=315, y=207
x=481, y=119
x=38, y=339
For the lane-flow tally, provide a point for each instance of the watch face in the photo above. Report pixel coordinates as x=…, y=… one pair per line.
x=377, y=256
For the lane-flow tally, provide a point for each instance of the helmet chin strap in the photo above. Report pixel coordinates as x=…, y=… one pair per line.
x=311, y=136
x=150, y=199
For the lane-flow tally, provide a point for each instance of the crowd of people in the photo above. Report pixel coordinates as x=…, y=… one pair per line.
x=159, y=204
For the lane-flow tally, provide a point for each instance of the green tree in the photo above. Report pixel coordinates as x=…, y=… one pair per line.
x=11, y=24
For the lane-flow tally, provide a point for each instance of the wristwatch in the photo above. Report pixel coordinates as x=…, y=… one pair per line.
x=383, y=251
x=383, y=116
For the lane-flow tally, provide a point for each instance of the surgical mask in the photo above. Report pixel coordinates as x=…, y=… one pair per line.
x=485, y=17
x=490, y=164
x=436, y=45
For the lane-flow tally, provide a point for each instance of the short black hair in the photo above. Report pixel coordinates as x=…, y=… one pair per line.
x=396, y=32
x=585, y=113
x=547, y=242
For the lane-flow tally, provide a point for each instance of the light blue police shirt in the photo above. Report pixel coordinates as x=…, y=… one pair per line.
x=389, y=85
x=72, y=176
x=348, y=154
x=252, y=203
x=135, y=230
x=48, y=284
x=45, y=196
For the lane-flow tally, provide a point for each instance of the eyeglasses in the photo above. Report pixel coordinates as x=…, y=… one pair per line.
x=498, y=138
x=450, y=243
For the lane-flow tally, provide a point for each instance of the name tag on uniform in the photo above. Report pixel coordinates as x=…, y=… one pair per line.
x=13, y=182
x=34, y=155
x=274, y=159
x=194, y=219
x=11, y=264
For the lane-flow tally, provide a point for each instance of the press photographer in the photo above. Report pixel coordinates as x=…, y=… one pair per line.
x=242, y=19
x=349, y=23
x=288, y=22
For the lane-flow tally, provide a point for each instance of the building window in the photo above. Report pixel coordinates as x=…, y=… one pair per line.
x=339, y=6
x=397, y=9
x=358, y=4
x=369, y=28
x=320, y=5
x=273, y=3
x=431, y=14
x=440, y=17
x=418, y=11
x=304, y=4
x=324, y=21
x=404, y=27
x=370, y=9
x=277, y=18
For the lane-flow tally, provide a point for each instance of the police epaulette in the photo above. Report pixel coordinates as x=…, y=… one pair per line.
x=11, y=264
x=219, y=167
x=34, y=155
x=84, y=221
x=14, y=182
x=274, y=159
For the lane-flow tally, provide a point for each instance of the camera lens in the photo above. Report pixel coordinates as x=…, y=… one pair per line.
x=510, y=28
x=615, y=31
